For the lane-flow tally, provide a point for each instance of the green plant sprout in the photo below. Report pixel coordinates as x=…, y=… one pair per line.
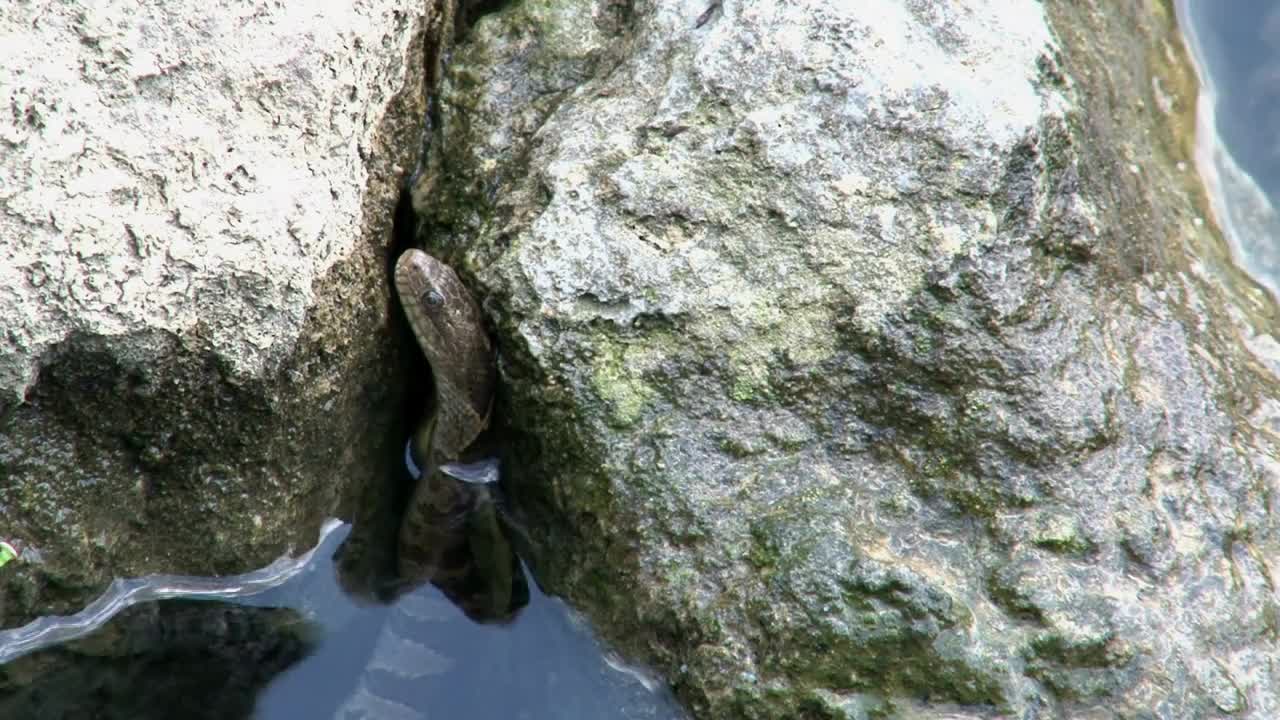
x=7, y=553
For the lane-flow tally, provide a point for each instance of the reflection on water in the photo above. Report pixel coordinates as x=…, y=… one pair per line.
x=453, y=535
x=304, y=649
x=171, y=659
x=1236, y=46
x=423, y=657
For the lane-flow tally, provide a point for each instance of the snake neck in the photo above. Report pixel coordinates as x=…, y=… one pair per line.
x=422, y=448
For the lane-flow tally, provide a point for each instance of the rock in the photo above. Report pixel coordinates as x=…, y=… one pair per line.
x=197, y=204
x=870, y=362
x=179, y=658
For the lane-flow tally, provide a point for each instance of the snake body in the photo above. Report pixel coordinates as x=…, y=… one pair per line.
x=450, y=533
x=450, y=331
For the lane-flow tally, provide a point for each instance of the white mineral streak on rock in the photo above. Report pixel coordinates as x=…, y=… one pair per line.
x=185, y=167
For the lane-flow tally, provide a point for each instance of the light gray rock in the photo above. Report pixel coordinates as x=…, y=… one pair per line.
x=868, y=360
x=182, y=165
x=195, y=209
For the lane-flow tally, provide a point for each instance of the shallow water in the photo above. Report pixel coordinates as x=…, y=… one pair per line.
x=301, y=649
x=545, y=664
x=1236, y=46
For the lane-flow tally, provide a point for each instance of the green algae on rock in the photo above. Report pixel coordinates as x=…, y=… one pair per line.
x=853, y=370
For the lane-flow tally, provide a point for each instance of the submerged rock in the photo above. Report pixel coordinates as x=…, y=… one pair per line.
x=189, y=659
x=874, y=361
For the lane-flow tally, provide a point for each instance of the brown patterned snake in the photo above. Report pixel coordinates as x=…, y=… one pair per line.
x=450, y=331
x=450, y=533
x=448, y=326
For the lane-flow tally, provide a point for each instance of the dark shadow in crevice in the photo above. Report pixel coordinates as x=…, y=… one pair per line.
x=469, y=13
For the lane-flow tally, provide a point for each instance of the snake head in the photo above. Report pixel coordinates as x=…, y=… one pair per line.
x=442, y=313
x=427, y=287
x=450, y=331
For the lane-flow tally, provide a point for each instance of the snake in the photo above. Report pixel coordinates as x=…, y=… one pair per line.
x=450, y=532
x=449, y=328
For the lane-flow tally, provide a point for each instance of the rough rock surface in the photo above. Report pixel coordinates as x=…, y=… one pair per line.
x=195, y=209
x=874, y=361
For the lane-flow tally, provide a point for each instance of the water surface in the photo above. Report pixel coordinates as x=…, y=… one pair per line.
x=301, y=648
x=1236, y=46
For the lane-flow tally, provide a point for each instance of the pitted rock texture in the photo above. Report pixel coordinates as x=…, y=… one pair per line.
x=867, y=360
x=196, y=202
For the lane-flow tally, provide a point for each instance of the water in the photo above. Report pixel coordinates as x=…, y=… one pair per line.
x=292, y=644
x=1236, y=46
x=544, y=664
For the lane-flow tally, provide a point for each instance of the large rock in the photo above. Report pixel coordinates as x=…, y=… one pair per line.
x=874, y=359
x=196, y=211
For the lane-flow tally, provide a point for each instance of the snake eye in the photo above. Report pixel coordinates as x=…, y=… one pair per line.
x=433, y=297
